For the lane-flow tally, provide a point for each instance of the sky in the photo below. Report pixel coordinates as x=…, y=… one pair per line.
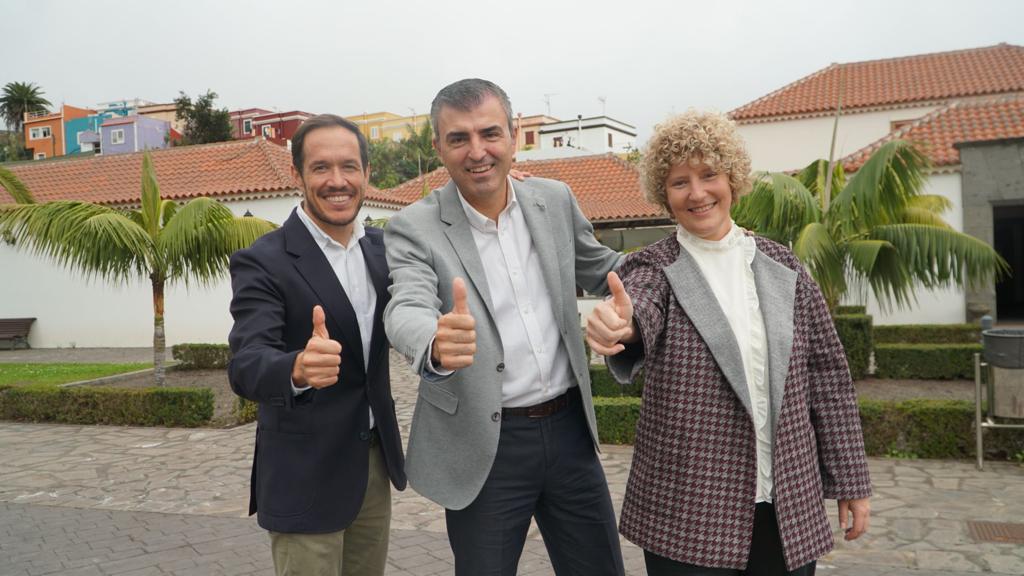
x=645, y=59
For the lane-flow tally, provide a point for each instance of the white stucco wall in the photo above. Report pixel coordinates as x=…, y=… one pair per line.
x=944, y=306
x=793, y=144
x=593, y=139
x=73, y=312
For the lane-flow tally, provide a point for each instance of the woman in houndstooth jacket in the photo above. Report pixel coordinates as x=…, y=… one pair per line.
x=749, y=417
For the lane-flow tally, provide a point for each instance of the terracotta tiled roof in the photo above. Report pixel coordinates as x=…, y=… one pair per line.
x=222, y=169
x=896, y=82
x=607, y=188
x=961, y=121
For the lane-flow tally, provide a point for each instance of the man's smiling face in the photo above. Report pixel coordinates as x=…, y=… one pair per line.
x=477, y=148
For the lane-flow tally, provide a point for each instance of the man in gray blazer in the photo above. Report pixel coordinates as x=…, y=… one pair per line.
x=484, y=306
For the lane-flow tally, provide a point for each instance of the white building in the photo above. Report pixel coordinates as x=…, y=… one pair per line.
x=595, y=135
x=936, y=100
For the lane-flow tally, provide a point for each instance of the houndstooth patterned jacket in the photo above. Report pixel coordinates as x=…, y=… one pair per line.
x=691, y=487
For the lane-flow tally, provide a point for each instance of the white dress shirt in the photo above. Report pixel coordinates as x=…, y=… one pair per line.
x=726, y=265
x=537, y=364
x=350, y=268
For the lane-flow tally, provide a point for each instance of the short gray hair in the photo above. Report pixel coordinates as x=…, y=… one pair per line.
x=465, y=95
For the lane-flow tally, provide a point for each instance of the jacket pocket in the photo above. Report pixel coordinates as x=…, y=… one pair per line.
x=287, y=468
x=439, y=397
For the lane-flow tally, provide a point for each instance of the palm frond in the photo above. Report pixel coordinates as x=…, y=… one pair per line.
x=150, y=197
x=878, y=192
x=15, y=187
x=813, y=177
x=815, y=247
x=95, y=239
x=941, y=257
x=778, y=207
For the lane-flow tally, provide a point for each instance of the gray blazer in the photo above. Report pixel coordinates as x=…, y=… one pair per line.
x=454, y=435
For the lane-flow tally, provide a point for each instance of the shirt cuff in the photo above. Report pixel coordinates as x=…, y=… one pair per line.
x=430, y=371
x=296, y=391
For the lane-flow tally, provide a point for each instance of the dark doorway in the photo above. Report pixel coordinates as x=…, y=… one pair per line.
x=1009, y=243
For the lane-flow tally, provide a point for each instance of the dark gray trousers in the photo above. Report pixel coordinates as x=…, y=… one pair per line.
x=545, y=468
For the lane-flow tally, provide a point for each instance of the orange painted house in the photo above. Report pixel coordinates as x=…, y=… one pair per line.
x=44, y=131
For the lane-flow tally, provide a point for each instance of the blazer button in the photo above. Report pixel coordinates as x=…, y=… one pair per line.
x=500, y=367
x=496, y=416
x=364, y=436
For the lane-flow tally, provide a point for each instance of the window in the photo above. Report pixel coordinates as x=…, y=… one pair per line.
x=609, y=139
x=268, y=132
x=39, y=132
x=117, y=136
x=529, y=137
x=557, y=142
x=41, y=156
x=374, y=132
x=247, y=126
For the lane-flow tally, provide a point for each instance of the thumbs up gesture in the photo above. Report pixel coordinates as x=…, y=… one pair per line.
x=319, y=363
x=611, y=322
x=455, y=339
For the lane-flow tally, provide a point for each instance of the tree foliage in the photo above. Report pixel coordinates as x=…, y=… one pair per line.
x=395, y=162
x=161, y=241
x=19, y=98
x=879, y=233
x=203, y=122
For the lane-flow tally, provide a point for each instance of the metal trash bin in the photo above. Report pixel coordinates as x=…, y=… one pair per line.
x=1002, y=372
x=1004, y=347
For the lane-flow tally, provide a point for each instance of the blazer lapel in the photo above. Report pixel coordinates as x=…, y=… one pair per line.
x=376, y=265
x=536, y=215
x=312, y=265
x=776, y=292
x=460, y=234
x=694, y=294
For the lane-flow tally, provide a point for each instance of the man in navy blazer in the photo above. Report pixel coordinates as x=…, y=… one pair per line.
x=309, y=346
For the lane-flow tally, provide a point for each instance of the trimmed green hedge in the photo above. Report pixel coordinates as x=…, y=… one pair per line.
x=928, y=334
x=603, y=384
x=921, y=428
x=245, y=411
x=201, y=356
x=856, y=335
x=187, y=407
x=845, y=310
x=926, y=361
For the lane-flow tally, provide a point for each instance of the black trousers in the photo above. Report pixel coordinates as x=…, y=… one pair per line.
x=765, y=554
x=545, y=468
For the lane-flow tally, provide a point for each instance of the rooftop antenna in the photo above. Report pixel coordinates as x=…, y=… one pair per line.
x=547, y=100
x=603, y=102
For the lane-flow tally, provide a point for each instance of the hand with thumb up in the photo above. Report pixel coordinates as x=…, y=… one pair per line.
x=455, y=339
x=611, y=322
x=319, y=363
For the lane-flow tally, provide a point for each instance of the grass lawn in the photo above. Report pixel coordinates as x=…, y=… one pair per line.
x=11, y=373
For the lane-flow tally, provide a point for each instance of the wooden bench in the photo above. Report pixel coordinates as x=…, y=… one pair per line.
x=16, y=330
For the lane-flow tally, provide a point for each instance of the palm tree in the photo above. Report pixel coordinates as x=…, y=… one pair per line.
x=878, y=232
x=161, y=240
x=19, y=98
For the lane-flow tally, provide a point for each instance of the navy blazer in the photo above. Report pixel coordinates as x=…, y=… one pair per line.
x=309, y=473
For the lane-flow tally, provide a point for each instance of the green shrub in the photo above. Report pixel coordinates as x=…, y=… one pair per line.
x=856, y=335
x=926, y=428
x=616, y=419
x=928, y=334
x=604, y=385
x=186, y=407
x=245, y=411
x=847, y=310
x=926, y=361
x=920, y=428
x=201, y=356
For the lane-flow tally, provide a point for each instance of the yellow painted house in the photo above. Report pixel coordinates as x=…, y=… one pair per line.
x=388, y=125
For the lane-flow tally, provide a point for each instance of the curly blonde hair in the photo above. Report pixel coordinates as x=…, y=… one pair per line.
x=694, y=137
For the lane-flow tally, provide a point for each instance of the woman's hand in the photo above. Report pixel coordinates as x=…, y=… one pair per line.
x=611, y=322
x=861, y=509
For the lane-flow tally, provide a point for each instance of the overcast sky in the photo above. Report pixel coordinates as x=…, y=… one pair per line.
x=647, y=59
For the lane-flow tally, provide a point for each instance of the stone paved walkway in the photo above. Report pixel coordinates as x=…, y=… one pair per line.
x=91, y=500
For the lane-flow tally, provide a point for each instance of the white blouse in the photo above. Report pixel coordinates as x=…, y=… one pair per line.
x=726, y=265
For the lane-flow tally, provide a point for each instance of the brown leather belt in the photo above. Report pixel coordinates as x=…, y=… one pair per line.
x=539, y=410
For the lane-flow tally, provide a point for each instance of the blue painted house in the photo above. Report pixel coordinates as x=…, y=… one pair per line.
x=134, y=134
x=83, y=133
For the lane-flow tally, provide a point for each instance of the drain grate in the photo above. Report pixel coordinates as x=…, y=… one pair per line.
x=1002, y=532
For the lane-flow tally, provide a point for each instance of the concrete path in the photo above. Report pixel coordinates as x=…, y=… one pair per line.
x=93, y=500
